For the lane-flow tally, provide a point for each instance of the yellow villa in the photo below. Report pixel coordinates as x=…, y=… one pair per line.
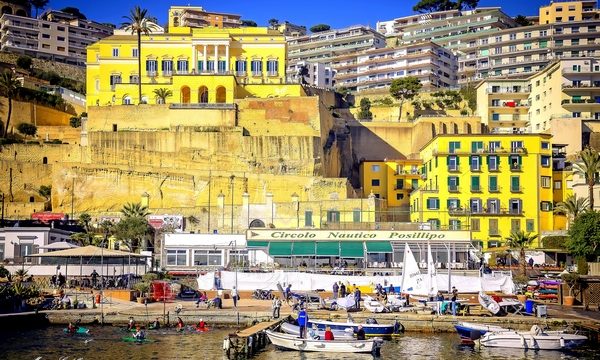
x=208, y=65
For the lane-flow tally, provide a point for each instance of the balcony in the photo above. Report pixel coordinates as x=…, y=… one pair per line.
x=581, y=104
x=521, y=91
x=582, y=89
x=453, y=188
x=586, y=70
x=516, y=189
x=220, y=106
x=516, y=167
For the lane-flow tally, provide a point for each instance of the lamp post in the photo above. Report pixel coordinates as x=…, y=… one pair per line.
x=221, y=203
x=2, y=223
x=237, y=258
x=296, y=203
x=105, y=240
x=231, y=182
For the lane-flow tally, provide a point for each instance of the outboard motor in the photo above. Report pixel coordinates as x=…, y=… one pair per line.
x=371, y=321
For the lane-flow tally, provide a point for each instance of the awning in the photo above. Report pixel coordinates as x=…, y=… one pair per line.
x=88, y=251
x=260, y=244
x=303, y=248
x=379, y=246
x=60, y=245
x=352, y=249
x=280, y=249
x=328, y=248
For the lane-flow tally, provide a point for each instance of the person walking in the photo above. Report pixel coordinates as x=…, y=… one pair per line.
x=335, y=290
x=357, y=297
x=302, y=321
x=234, y=296
x=454, y=302
x=94, y=276
x=276, y=307
x=342, y=290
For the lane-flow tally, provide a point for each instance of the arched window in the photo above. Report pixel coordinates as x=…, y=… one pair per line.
x=221, y=95
x=126, y=100
x=21, y=12
x=31, y=199
x=7, y=10
x=45, y=160
x=444, y=129
x=185, y=95
x=202, y=95
x=256, y=223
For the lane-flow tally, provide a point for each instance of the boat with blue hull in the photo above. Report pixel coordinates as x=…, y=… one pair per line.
x=467, y=330
x=371, y=328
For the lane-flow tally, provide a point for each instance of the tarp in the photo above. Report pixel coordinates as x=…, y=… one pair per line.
x=280, y=249
x=302, y=281
x=303, y=248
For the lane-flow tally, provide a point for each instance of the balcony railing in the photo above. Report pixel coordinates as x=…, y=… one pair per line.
x=516, y=189
x=221, y=106
x=453, y=188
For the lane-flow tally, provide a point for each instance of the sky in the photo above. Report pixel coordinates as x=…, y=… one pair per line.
x=336, y=13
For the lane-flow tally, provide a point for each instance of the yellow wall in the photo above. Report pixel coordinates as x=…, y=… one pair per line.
x=531, y=193
x=548, y=14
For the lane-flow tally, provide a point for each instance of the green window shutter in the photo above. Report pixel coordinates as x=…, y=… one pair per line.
x=437, y=203
x=474, y=147
x=447, y=160
x=493, y=182
x=474, y=182
x=449, y=183
x=448, y=203
x=520, y=160
x=514, y=182
x=457, y=181
x=487, y=160
x=457, y=161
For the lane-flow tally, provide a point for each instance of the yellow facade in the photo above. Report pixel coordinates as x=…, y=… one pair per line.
x=567, y=11
x=490, y=184
x=391, y=180
x=199, y=65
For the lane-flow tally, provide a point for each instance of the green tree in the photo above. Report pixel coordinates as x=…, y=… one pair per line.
x=27, y=129
x=45, y=191
x=469, y=93
x=133, y=231
x=24, y=62
x=9, y=86
x=74, y=11
x=137, y=23
x=249, y=23
x=38, y=4
x=273, y=23
x=162, y=94
x=134, y=210
x=75, y=121
x=584, y=235
x=88, y=236
x=320, y=28
x=428, y=6
x=573, y=206
x=404, y=89
x=588, y=166
x=365, y=109
x=303, y=73
x=520, y=240
x=522, y=20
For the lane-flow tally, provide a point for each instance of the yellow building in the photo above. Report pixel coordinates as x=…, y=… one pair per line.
x=199, y=65
x=491, y=184
x=562, y=182
x=503, y=104
x=568, y=11
x=392, y=181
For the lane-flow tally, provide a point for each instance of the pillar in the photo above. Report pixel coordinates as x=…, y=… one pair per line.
x=204, y=60
x=194, y=60
x=216, y=69
x=227, y=58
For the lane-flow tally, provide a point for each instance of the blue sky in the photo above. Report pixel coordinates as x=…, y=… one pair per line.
x=337, y=13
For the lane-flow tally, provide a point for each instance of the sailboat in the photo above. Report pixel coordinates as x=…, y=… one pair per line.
x=419, y=286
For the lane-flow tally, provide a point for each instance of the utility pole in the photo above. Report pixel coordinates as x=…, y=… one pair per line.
x=232, y=178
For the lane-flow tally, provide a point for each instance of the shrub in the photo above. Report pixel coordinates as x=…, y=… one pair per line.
x=83, y=114
x=27, y=129
x=75, y=122
x=24, y=62
x=464, y=112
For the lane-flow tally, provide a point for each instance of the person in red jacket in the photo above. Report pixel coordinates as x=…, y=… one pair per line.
x=328, y=333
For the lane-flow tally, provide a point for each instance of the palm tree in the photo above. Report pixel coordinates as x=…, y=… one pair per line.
x=137, y=23
x=163, y=94
x=518, y=239
x=38, y=4
x=588, y=167
x=9, y=86
x=303, y=73
x=572, y=206
x=274, y=23
x=133, y=210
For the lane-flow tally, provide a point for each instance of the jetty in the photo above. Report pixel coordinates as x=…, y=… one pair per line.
x=247, y=342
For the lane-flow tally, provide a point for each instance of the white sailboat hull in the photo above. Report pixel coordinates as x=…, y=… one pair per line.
x=532, y=341
x=292, y=342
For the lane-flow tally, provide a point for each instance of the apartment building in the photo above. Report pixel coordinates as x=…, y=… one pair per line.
x=291, y=30
x=503, y=105
x=318, y=74
x=197, y=17
x=392, y=181
x=559, y=11
x=324, y=46
x=491, y=184
x=53, y=36
x=434, y=65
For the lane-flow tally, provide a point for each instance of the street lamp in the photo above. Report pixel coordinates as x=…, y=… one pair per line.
x=296, y=203
x=233, y=244
x=231, y=181
x=105, y=240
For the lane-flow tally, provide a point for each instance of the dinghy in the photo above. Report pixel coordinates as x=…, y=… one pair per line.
x=374, y=306
x=467, y=330
x=535, y=339
x=371, y=328
x=292, y=329
x=489, y=303
x=292, y=342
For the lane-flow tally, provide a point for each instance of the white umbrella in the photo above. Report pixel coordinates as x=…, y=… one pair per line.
x=59, y=245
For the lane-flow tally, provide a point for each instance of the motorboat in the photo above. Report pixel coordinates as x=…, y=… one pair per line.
x=371, y=328
x=467, y=330
x=293, y=342
x=292, y=329
x=535, y=339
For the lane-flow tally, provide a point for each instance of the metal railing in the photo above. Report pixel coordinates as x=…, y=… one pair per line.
x=222, y=106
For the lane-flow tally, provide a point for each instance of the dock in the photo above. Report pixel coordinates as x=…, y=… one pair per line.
x=243, y=344
x=591, y=330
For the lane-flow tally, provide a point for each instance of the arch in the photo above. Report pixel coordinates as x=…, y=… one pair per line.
x=6, y=10
x=455, y=128
x=202, y=94
x=433, y=131
x=126, y=100
x=221, y=95
x=185, y=95
x=468, y=129
x=31, y=199
x=257, y=223
x=176, y=21
x=21, y=12
x=145, y=99
x=44, y=160
x=444, y=129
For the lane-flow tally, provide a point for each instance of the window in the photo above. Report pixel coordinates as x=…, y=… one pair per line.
x=475, y=163
x=453, y=163
x=453, y=146
x=494, y=145
x=151, y=67
x=375, y=168
x=515, y=162
x=516, y=146
x=433, y=204
x=453, y=204
x=134, y=52
x=493, y=183
x=115, y=79
x=115, y=52
x=475, y=205
x=475, y=226
x=208, y=257
x=515, y=206
x=545, y=181
x=546, y=160
x=182, y=66
x=399, y=196
x=177, y=257
x=256, y=67
x=238, y=257
x=308, y=218
x=167, y=67
x=475, y=184
x=333, y=216
x=222, y=66
x=515, y=225
x=399, y=184
x=414, y=184
x=453, y=183
x=515, y=184
x=492, y=162
x=1, y=251
x=493, y=227
x=374, y=182
x=134, y=79
x=210, y=65
x=240, y=67
x=557, y=185
x=272, y=67
x=512, y=36
x=529, y=225
x=454, y=224
x=493, y=206
x=434, y=223
x=476, y=146
x=45, y=36
x=545, y=145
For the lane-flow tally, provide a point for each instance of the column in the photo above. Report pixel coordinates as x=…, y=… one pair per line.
x=227, y=57
x=204, y=63
x=216, y=69
x=194, y=67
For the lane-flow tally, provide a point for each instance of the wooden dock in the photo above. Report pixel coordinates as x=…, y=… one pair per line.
x=591, y=330
x=244, y=343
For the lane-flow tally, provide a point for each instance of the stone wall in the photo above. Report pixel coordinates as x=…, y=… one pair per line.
x=65, y=70
x=24, y=112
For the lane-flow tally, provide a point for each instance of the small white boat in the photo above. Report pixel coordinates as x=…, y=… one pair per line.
x=489, y=303
x=535, y=339
x=292, y=342
x=373, y=305
x=292, y=329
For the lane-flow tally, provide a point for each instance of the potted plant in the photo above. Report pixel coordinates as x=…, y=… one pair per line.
x=143, y=288
x=571, y=279
x=520, y=285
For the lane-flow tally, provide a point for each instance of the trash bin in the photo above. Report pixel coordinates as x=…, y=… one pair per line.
x=542, y=310
x=529, y=306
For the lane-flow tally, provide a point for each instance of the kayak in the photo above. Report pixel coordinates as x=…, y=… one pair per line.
x=135, y=340
x=79, y=331
x=201, y=330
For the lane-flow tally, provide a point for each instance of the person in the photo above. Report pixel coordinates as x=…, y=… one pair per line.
x=71, y=329
x=439, y=296
x=391, y=289
x=139, y=333
x=94, y=276
x=61, y=280
x=531, y=262
x=180, y=325
x=357, y=297
x=335, y=290
x=155, y=324
x=288, y=291
x=217, y=302
x=328, y=334
x=313, y=332
x=234, y=296
x=66, y=302
x=302, y=320
x=453, y=299
x=131, y=324
x=53, y=280
x=342, y=290
x=201, y=299
x=201, y=326
x=276, y=307
x=360, y=333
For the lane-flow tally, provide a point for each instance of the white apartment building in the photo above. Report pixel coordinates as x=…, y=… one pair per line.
x=318, y=74
x=434, y=65
x=54, y=36
x=198, y=17
x=322, y=47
